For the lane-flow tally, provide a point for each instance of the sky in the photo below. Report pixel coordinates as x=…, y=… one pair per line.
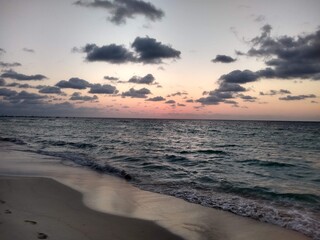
x=190, y=59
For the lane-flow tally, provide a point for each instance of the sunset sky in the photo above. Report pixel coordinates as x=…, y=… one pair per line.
x=161, y=59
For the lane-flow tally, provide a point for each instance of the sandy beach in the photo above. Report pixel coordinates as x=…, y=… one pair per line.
x=42, y=198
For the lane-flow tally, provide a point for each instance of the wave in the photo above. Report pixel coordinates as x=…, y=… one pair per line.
x=61, y=143
x=83, y=160
x=258, y=162
x=205, y=151
x=13, y=140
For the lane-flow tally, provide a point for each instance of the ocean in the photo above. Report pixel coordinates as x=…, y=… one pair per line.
x=269, y=171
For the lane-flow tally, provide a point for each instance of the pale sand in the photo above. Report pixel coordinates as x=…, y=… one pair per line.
x=115, y=196
x=32, y=208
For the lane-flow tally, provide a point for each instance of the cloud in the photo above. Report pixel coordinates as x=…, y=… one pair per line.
x=181, y=105
x=2, y=51
x=215, y=97
x=147, y=79
x=2, y=82
x=287, y=57
x=189, y=101
x=298, y=97
x=238, y=76
x=141, y=93
x=7, y=92
x=76, y=96
x=151, y=51
x=121, y=10
x=111, y=78
x=75, y=83
x=112, y=53
x=177, y=94
x=50, y=90
x=247, y=98
x=146, y=50
x=29, y=50
x=156, y=99
x=223, y=59
x=22, y=77
x=45, y=109
x=230, y=87
x=170, y=102
x=275, y=92
x=26, y=97
x=9, y=65
x=103, y=89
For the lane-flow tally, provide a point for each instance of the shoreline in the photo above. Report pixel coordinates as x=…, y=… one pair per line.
x=39, y=207
x=110, y=195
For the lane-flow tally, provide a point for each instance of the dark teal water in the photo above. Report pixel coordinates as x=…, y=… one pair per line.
x=268, y=171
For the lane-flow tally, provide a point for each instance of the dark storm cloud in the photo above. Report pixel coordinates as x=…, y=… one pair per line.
x=156, y=99
x=29, y=50
x=9, y=65
x=275, y=92
x=22, y=77
x=50, y=90
x=110, y=78
x=76, y=96
x=140, y=93
x=103, y=89
x=2, y=82
x=151, y=51
x=297, y=97
x=7, y=92
x=121, y=10
x=148, y=79
x=288, y=57
x=112, y=53
x=223, y=59
x=75, y=83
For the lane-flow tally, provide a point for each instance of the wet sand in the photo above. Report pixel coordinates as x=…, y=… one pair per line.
x=89, y=205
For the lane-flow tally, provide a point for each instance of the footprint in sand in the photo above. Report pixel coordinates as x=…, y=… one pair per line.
x=42, y=235
x=30, y=221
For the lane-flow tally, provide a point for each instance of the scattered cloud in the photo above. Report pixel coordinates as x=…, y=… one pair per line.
x=153, y=52
x=112, y=53
x=76, y=96
x=238, y=76
x=121, y=10
x=223, y=59
x=146, y=50
x=189, y=101
x=103, y=89
x=297, y=97
x=177, y=94
x=287, y=57
x=170, y=102
x=147, y=79
x=50, y=90
x=140, y=93
x=2, y=82
x=156, y=99
x=26, y=97
x=181, y=105
x=75, y=83
x=275, y=92
x=29, y=50
x=247, y=98
x=9, y=65
x=7, y=92
x=110, y=78
x=22, y=77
